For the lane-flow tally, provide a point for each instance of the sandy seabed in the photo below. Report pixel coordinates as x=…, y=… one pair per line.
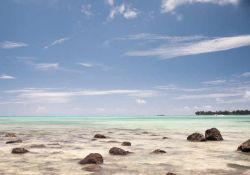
x=56, y=150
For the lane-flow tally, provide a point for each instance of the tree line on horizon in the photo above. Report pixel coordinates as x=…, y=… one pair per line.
x=236, y=112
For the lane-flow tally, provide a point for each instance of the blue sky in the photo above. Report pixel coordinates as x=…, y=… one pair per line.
x=87, y=57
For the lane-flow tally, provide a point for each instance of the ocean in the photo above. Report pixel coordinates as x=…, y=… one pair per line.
x=57, y=143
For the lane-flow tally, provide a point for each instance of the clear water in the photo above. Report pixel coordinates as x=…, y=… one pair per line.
x=69, y=139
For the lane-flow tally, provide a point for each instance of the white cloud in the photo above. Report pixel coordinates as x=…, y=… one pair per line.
x=130, y=13
x=110, y=2
x=12, y=44
x=208, y=96
x=6, y=77
x=247, y=94
x=60, y=41
x=94, y=65
x=167, y=38
x=57, y=41
x=214, y=82
x=87, y=65
x=86, y=10
x=11, y=102
x=57, y=96
x=195, y=47
x=126, y=11
x=47, y=66
x=170, y=5
x=141, y=101
x=245, y=74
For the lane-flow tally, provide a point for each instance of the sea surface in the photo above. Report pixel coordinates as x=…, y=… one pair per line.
x=56, y=144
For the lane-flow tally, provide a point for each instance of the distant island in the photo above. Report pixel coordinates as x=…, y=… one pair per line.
x=236, y=112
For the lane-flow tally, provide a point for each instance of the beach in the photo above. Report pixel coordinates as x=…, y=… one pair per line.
x=57, y=144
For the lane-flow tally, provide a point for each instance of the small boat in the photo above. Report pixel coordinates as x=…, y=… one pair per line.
x=219, y=115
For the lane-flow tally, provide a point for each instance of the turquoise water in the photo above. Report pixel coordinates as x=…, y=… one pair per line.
x=69, y=139
x=237, y=122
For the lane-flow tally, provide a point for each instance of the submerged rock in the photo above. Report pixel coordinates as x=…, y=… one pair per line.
x=169, y=173
x=9, y=134
x=38, y=146
x=100, y=136
x=159, y=151
x=19, y=151
x=92, y=168
x=14, y=141
x=196, y=137
x=92, y=158
x=244, y=147
x=126, y=143
x=213, y=134
x=118, y=151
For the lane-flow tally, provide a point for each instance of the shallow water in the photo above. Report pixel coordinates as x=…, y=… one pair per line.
x=69, y=139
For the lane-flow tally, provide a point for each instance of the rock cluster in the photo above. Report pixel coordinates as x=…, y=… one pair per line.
x=212, y=134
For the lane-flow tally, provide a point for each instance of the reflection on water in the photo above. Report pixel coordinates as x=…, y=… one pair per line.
x=56, y=144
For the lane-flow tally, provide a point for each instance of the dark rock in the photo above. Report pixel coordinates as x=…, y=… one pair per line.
x=14, y=141
x=100, y=136
x=38, y=146
x=113, y=141
x=244, y=147
x=19, y=151
x=159, y=151
x=165, y=137
x=126, y=144
x=9, y=134
x=213, y=134
x=92, y=168
x=196, y=137
x=92, y=158
x=169, y=173
x=118, y=151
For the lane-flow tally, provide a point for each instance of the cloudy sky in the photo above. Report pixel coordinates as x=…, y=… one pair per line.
x=87, y=57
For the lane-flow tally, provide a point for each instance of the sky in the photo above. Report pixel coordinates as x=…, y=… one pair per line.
x=123, y=57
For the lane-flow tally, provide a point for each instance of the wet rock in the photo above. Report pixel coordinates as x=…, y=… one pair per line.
x=213, y=134
x=92, y=168
x=100, y=136
x=196, y=137
x=244, y=147
x=159, y=151
x=118, y=151
x=169, y=173
x=92, y=158
x=112, y=141
x=19, y=151
x=126, y=144
x=14, y=141
x=38, y=146
x=9, y=134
